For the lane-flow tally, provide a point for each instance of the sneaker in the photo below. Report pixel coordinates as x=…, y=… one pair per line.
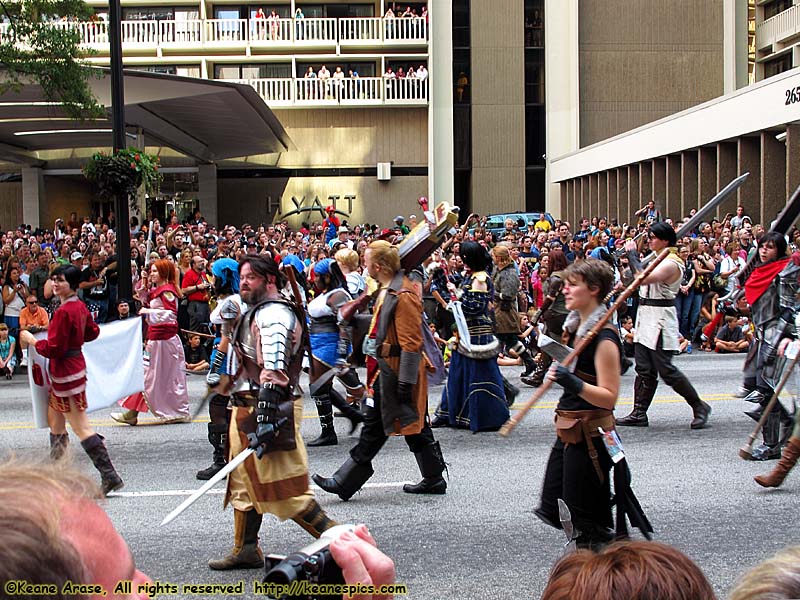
x=23, y=362
x=689, y=349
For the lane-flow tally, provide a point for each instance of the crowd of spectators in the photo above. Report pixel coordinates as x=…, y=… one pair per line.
x=713, y=255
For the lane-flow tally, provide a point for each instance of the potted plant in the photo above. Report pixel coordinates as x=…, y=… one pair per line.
x=123, y=172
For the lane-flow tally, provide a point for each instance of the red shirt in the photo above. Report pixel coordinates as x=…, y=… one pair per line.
x=71, y=326
x=193, y=278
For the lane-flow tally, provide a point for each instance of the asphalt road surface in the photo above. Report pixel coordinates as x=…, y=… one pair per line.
x=481, y=539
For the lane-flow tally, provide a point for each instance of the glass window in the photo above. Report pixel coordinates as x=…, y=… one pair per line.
x=253, y=71
x=462, y=136
x=534, y=189
x=778, y=65
x=534, y=135
x=227, y=72
x=222, y=12
x=776, y=7
x=364, y=69
x=152, y=13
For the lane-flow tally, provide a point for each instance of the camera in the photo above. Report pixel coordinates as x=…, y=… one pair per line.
x=313, y=564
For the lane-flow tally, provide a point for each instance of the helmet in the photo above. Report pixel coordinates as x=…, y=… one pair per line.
x=399, y=219
x=330, y=208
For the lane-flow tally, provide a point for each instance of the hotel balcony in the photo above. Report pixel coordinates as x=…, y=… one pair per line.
x=361, y=91
x=779, y=31
x=257, y=34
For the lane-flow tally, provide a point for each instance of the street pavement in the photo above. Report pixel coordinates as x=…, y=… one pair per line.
x=479, y=541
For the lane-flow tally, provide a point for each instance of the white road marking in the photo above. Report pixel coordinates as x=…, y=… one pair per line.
x=158, y=493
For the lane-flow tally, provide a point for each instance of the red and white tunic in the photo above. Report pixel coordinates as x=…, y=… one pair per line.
x=70, y=328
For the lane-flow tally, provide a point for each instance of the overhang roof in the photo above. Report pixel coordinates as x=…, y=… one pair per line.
x=203, y=119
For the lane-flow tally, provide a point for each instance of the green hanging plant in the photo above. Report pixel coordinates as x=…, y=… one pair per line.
x=123, y=172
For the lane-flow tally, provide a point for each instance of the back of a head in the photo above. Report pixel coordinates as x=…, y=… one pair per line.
x=628, y=571
x=777, y=578
x=34, y=548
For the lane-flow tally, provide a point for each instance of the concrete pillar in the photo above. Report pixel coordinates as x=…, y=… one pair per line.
x=674, y=206
x=646, y=184
x=32, y=196
x=660, y=186
x=574, y=203
x=564, y=189
x=602, y=194
x=594, y=197
x=792, y=159
x=207, y=180
x=586, y=197
x=726, y=171
x=441, y=161
x=773, y=178
x=688, y=181
x=734, y=45
x=562, y=97
x=707, y=174
x=749, y=160
x=613, y=195
x=623, y=189
x=634, y=191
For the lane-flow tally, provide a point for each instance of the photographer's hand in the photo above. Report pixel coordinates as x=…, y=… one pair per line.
x=357, y=554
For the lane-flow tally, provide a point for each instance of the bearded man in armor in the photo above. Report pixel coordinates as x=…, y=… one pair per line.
x=266, y=414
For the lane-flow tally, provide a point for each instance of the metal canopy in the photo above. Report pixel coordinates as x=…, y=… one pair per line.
x=203, y=119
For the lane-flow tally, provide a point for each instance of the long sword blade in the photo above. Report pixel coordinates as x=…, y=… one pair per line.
x=709, y=206
x=239, y=459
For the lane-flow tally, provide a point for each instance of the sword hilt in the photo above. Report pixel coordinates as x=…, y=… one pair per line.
x=265, y=433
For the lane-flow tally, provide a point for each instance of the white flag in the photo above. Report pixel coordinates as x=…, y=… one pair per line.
x=114, y=368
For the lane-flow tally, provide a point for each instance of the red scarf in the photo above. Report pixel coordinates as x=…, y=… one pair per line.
x=760, y=278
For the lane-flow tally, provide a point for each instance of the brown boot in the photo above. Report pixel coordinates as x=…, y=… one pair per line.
x=245, y=554
x=314, y=519
x=791, y=452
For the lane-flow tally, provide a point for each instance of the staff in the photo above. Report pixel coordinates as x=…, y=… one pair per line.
x=509, y=426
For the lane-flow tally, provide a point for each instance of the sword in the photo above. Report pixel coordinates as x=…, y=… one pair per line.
x=232, y=464
x=555, y=350
x=569, y=530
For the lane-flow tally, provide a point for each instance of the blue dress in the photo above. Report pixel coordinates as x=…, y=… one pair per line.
x=473, y=397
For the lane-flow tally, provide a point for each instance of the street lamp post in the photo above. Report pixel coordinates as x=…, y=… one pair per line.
x=124, y=287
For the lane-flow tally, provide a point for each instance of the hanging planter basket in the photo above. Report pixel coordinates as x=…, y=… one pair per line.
x=123, y=172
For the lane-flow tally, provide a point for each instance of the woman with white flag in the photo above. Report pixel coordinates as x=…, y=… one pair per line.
x=72, y=325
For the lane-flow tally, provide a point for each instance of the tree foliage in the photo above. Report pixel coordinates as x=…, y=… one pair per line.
x=40, y=45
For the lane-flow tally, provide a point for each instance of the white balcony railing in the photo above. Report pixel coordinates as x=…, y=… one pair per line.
x=226, y=32
x=359, y=91
x=217, y=33
x=405, y=29
x=140, y=33
x=180, y=32
x=315, y=31
x=781, y=27
x=276, y=92
x=360, y=31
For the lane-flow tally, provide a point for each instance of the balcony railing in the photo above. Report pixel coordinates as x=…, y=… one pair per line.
x=216, y=33
x=358, y=91
x=780, y=28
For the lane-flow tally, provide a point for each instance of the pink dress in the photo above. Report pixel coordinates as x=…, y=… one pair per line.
x=165, y=391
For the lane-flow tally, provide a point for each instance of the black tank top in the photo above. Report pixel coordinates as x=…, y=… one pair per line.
x=585, y=369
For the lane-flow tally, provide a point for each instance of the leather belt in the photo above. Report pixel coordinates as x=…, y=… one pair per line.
x=656, y=302
x=72, y=353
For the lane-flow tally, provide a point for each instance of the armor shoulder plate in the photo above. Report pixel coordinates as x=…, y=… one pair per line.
x=276, y=322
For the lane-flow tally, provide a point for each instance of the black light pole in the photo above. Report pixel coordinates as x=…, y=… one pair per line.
x=124, y=287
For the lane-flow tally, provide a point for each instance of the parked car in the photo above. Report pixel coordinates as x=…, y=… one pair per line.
x=496, y=224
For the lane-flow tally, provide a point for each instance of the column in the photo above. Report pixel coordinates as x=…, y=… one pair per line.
x=674, y=206
x=623, y=196
x=441, y=163
x=660, y=186
x=707, y=174
x=749, y=160
x=613, y=196
x=689, y=193
x=792, y=159
x=773, y=178
x=32, y=194
x=207, y=179
x=726, y=171
x=634, y=191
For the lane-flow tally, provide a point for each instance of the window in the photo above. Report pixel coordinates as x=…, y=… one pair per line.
x=253, y=71
x=778, y=65
x=152, y=13
x=534, y=76
x=182, y=70
x=534, y=189
x=776, y=7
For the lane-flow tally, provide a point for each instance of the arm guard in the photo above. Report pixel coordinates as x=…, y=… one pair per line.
x=276, y=324
x=634, y=261
x=409, y=367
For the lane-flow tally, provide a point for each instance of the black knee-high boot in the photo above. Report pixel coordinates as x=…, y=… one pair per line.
x=328, y=435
